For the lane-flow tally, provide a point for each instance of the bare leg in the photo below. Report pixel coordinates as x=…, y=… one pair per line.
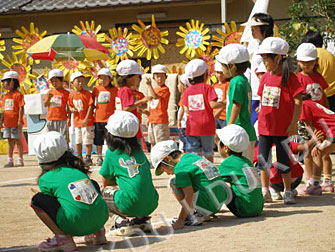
x=11, y=144
x=265, y=178
x=99, y=150
x=308, y=161
x=287, y=180
x=88, y=149
x=45, y=218
x=79, y=148
x=327, y=166
x=19, y=147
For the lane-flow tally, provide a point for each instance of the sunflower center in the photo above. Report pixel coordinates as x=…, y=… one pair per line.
x=151, y=37
x=193, y=39
x=29, y=40
x=119, y=45
x=70, y=64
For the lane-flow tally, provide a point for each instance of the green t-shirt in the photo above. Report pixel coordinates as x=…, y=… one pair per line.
x=238, y=91
x=245, y=183
x=137, y=196
x=83, y=211
x=204, y=177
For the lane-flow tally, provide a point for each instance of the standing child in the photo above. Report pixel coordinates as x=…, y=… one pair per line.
x=158, y=116
x=59, y=117
x=280, y=93
x=69, y=198
x=13, y=110
x=81, y=105
x=183, y=83
x=104, y=95
x=235, y=61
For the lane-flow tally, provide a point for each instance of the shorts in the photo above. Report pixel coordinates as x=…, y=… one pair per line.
x=84, y=135
x=99, y=133
x=108, y=195
x=12, y=132
x=158, y=133
x=59, y=126
x=200, y=145
x=220, y=124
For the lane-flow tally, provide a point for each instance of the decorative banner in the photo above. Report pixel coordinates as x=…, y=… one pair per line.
x=42, y=82
x=149, y=39
x=89, y=30
x=193, y=39
x=120, y=43
x=232, y=35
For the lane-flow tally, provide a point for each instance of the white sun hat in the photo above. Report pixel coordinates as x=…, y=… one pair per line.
x=307, y=52
x=10, y=75
x=159, y=151
x=235, y=137
x=122, y=124
x=128, y=67
x=55, y=73
x=76, y=75
x=273, y=45
x=184, y=80
x=218, y=67
x=105, y=71
x=158, y=69
x=195, y=68
x=254, y=22
x=49, y=147
x=233, y=53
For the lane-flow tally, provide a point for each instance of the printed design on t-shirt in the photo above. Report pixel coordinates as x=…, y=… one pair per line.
x=315, y=90
x=271, y=96
x=83, y=191
x=196, y=102
x=56, y=101
x=327, y=111
x=154, y=103
x=78, y=104
x=118, y=104
x=252, y=177
x=104, y=97
x=131, y=165
x=219, y=93
x=9, y=104
x=208, y=168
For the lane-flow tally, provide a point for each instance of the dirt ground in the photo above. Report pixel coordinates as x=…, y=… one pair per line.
x=307, y=226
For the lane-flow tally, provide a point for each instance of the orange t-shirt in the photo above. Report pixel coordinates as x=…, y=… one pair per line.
x=11, y=103
x=57, y=107
x=221, y=91
x=104, y=102
x=158, y=107
x=81, y=101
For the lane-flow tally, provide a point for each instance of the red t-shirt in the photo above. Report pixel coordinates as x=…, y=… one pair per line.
x=322, y=118
x=11, y=103
x=158, y=107
x=57, y=107
x=200, y=119
x=81, y=101
x=105, y=102
x=277, y=104
x=221, y=90
x=314, y=85
x=139, y=96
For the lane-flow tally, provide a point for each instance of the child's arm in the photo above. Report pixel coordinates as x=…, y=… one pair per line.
x=325, y=102
x=188, y=193
x=218, y=113
x=151, y=89
x=292, y=128
x=217, y=105
x=138, y=103
x=48, y=100
x=235, y=111
x=21, y=111
x=181, y=115
x=88, y=114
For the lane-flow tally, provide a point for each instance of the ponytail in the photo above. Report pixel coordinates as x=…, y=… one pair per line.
x=285, y=71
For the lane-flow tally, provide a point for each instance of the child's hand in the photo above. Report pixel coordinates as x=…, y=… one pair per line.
x=148, y=82
x=179, y=124
x=19, y=124
x=50, y=95
x=34, y=190
x=84, y=123
x=69, y=122
x=318, y=135
x=258, y=109
x=315, y=152
x=73, y=109
x=179, y=224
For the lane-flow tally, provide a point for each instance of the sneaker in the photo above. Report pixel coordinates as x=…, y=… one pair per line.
x=327, y=187
x=20, y=162
x=141, y=223
x=295, y=192
x=97, y=238
x=275, y=194
x=9, y=164
x=121, y=226
x=267, y=197
x=192, y=220
x=64, y=242
x=88, y=161
x=289, y=197
x=99, y=161
x=311, y=190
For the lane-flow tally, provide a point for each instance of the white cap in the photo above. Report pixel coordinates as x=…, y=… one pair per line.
x=10, y=75
x=195, y=68
x=159, y=151
x=184, y=80
x=273, y=45
x=76, y=75
x=55, y=73
x=122, y=124
x=234, y=136
x=105, y=71
x=49, y=147
x=254, y=22
x=128, y=67
x=158, y=69
x=261, y=68
x=218, y=67
x=307, y=52
x=233, y=53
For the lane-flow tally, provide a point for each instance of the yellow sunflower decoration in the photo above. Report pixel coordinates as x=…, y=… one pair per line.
x=27, y=39
x=70, y=66
x=149, y=39
x=193, y=38
x=231, y=35
x=95, y=66
x=119, y=43
x=208, y=56
x=2, y=47
x=144, y=69
x=89, y=29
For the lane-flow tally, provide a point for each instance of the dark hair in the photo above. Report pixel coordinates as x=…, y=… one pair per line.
x=67, y=160
x=59, y=78
x=198, y=79
x=285, y=69
x=266, y=30
x=306, y=97
x=122, y=80
x=230, y=152
x=313, y=37
x=153, y=75
x=174, y=154
x=315, y=68
x=242, y=67
x=126, y=145
x=16, y=83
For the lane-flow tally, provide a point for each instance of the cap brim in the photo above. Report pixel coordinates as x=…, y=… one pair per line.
x=157, y=172
x=305, y=58
x=159, y=72
x=220, y=60
x=254, y=23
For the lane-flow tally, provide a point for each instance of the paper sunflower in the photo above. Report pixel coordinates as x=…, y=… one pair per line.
x=70, y=66
x=208, y=56
x=2, y=47
x=120, y=43
x=144, y=69
x=94, y=68
x=149, y=39
x=232, y=35
x=89, y=30
x=193, y=38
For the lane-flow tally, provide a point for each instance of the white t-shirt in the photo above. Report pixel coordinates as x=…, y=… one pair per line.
x=256, y=61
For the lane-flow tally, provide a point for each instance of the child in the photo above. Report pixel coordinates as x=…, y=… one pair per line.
x=158, y=117
x=13, y=110
x=104, y=95
x=235, y=61
x=197, y=183
x=237, y=170
x=200, y=99
x=59, y=117
x=280, y=93
x=183, y=83
x=221, y=89
x=81, y=105
x=127, y=167
x=68, y=197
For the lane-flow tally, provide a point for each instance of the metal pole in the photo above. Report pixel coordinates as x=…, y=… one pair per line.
x=223, y=11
